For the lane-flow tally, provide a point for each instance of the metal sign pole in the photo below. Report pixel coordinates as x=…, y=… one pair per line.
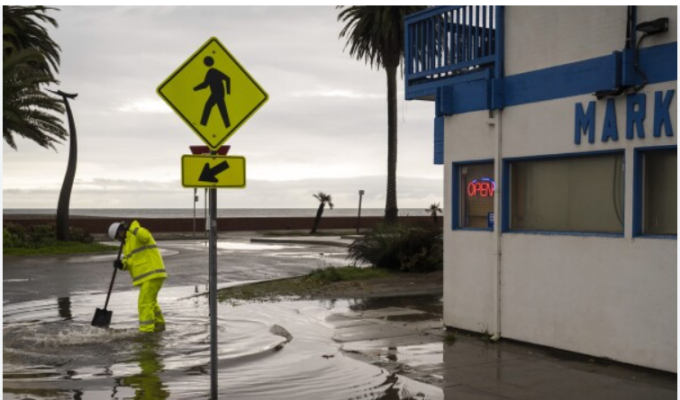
x=212, y=260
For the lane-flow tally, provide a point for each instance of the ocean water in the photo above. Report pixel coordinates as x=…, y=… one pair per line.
x=221, y=213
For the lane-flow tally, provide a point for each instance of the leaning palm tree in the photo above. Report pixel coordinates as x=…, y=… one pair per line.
x=433, y=210
x=376, y=35
x=323, y=199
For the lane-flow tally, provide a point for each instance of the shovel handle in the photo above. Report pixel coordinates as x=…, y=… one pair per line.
x=113, y=278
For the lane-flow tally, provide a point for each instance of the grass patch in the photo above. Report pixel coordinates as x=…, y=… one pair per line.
x=60, y=248
x=307, y=286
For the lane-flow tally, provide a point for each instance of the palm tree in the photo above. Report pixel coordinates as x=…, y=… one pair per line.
x=21, y=27
x=433, y=210
x=376, y=35
x=323, y=199
x=30, y=59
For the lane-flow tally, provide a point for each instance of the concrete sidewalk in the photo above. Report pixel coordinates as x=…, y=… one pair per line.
x=405, y=335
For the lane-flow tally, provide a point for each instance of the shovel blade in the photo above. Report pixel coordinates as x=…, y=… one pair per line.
x=102, y=318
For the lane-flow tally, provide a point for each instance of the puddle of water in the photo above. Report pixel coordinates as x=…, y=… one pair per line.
x=266, y=350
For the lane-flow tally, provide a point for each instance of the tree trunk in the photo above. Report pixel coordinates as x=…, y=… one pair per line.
x=391, y=198
x=65, y=194
x=319, y=212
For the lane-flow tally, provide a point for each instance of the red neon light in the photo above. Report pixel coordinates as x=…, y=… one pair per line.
x=481, y=189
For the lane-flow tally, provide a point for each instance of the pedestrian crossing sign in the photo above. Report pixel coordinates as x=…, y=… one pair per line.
x=213, y=93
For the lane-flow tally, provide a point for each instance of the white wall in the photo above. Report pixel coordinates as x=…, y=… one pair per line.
x=541, y=37
x=612, y=297
x=608, y=297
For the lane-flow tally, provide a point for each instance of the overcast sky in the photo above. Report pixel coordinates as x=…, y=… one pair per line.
x=324, y=127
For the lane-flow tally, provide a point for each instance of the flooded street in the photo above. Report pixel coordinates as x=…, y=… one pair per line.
x=388, y=348
x=284, y=350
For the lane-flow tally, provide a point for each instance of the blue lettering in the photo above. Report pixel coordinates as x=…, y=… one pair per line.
x=661, y=113
x=610, y=129
x=635, y=119
x=584, y=123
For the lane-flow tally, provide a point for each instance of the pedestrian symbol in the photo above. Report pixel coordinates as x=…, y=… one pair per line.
x=213, y=80
x=213, y=93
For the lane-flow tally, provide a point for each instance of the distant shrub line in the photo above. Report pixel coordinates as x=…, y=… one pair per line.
x=37, y=236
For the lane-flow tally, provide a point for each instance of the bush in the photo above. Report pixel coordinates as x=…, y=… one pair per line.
x=16, y=236
x=396, y=247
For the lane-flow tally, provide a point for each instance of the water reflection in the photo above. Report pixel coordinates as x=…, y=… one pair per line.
x=51, y=348
x=64, y=305
x=148, y=384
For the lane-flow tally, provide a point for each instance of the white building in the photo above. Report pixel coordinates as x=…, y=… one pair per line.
x=557, y=128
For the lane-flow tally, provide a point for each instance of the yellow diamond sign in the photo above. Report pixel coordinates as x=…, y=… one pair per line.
x=213, y=93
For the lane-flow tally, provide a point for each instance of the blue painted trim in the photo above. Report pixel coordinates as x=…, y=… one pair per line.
x=474, y=230
x=561, y=233
x=455, y=196
x=565, y=155
x=563, y=81
x=499, y=68
x=505, y=184
x=429, y=89
x=637, y=192
x=638, y=185
x=574, y=79
x=455, y=193
x=439, y=140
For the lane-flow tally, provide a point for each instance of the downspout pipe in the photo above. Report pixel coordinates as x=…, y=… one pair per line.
x=499, y=73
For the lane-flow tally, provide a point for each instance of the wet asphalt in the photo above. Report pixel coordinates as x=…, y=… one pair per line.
x=401, y=335
x=186, y=261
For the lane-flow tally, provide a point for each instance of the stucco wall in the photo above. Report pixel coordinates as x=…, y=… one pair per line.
x=612, y=297
x=541, y=37
x=608, y=297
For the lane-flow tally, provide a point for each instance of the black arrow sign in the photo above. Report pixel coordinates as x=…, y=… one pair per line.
x=210, y=174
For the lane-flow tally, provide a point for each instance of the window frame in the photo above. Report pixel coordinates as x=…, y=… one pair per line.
x=638, y=191
x=456, y=193
x=506, y=187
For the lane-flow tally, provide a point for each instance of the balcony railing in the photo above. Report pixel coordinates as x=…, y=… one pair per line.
x=447, y=41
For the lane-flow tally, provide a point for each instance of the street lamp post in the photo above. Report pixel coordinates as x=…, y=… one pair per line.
x=361, y=193
x=195, y=200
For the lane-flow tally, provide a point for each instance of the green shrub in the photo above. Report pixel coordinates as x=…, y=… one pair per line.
x=10, y=239
x=14, y=235
x=396, y=247
x=35, y=236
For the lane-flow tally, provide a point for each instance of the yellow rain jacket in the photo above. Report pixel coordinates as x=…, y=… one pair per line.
x=141, y=256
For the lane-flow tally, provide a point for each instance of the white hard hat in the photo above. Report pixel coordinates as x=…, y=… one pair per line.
x=113, y=229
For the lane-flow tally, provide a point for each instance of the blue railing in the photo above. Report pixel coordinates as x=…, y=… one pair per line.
x=448, y=41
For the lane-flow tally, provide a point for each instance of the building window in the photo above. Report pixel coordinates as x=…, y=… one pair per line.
x=574, y=194
x=660, y=199
x=477, y=189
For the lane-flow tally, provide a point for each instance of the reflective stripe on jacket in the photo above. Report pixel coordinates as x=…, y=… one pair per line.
x=141, y=255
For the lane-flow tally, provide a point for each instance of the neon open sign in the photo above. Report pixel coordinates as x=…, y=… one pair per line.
x=483, y=187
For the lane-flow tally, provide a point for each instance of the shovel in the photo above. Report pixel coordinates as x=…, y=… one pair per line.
x=102, y=318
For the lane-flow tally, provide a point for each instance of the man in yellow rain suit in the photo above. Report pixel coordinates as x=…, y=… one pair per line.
x=143, y=260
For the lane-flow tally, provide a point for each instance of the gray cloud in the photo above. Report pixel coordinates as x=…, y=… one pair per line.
x=326, y=117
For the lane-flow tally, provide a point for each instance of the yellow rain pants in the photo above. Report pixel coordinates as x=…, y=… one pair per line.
x=150, y=315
